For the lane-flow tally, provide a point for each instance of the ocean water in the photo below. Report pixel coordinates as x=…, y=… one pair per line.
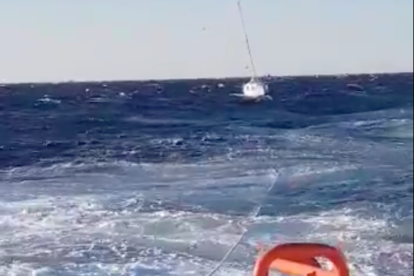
x=161, y=178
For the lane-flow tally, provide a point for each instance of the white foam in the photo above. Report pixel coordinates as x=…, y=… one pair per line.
x=57, y=232
x=117, y=233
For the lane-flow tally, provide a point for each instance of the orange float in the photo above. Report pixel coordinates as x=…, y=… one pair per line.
x=299, y=259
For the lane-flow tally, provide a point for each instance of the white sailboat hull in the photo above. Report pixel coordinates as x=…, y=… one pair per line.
x=254, y=89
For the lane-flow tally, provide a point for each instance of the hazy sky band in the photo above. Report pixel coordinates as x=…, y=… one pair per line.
x=51, y=40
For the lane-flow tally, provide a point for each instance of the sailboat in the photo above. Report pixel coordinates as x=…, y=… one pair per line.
x=254, y=90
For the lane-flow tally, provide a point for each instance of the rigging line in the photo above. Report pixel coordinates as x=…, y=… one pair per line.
x=255, y=212
x=247, y=39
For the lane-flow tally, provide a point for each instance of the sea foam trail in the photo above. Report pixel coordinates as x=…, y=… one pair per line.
x=152, y=227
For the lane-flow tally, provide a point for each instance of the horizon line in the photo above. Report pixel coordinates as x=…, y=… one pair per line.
x=209, y=78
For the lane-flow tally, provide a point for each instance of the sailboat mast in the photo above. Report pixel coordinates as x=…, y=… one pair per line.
x=247, y=40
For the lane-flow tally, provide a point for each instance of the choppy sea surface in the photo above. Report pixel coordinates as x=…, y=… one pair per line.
x=161, y=178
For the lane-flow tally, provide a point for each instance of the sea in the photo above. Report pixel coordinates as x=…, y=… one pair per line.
x=160, y=178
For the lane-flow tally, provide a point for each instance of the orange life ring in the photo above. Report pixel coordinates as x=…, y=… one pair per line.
x=299, y=259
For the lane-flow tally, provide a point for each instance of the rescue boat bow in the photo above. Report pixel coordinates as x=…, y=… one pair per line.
x=299, y=259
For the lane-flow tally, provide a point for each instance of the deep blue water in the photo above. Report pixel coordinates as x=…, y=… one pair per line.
x=156, y=178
